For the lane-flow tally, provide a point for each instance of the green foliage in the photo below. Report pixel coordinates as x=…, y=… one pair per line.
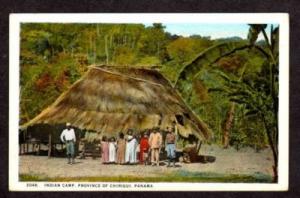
x=54, y=56
x=247, y=130
x=205, y=59
x=124, y=56
x=184, y=49
x=254, y=96
x=149, y=61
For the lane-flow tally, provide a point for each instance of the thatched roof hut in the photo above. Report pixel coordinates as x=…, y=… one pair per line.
x=110, y=99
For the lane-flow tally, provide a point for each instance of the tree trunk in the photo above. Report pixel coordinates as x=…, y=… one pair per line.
x=111, y=41
x=229, y=118
x=50, y=145
x=275, y=157
x=227, y=125
x=106, y=50
x=95, y=51
x=273, y=146
x=97, y=30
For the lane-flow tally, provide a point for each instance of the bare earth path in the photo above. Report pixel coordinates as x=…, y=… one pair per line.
x=229, y=161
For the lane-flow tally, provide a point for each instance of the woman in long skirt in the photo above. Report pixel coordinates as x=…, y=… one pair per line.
x=112, y=150
x=104, y=150
x=121, y=147
x=131, y=146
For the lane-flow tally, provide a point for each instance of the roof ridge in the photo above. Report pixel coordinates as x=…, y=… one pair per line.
x=145, y=67
x=126, y=76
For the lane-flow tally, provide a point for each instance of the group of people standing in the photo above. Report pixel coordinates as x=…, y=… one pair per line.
x=128, y=149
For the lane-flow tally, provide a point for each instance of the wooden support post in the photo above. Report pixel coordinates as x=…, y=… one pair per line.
x=49, y=145
x=54, y=149
x=199, y=143
x=32, y=147
x=22, y=149
x=27, y=147
x=39, y=148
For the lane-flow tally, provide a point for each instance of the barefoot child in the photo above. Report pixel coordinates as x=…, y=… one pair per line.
x=112, y=150
x=144, y=148
x=104, y=150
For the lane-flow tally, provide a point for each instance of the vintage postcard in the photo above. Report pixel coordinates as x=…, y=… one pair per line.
x=148, y=102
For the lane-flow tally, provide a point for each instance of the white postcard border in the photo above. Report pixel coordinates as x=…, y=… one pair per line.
x=14, y=53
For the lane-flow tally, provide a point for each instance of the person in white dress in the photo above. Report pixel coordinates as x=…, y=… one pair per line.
x=112, y=150
x=130, y=156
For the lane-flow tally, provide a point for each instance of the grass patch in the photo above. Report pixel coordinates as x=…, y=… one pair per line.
x=180, y=176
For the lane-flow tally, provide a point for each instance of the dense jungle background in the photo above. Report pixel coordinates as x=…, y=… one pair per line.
x=236, y=96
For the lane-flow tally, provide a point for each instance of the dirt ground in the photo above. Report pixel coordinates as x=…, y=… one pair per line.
x=228, y=161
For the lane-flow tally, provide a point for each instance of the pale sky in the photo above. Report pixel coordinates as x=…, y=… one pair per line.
x=215, y=31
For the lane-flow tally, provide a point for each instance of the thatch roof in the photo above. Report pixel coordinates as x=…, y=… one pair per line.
x=111, y=99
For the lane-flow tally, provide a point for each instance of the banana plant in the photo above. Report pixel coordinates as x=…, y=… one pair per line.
x=255, y=95
x=190, y=72
x=209, y=57
x=261, y=101
x=259, y=93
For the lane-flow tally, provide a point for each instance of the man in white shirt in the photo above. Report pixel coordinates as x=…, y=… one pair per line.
x=68, y=136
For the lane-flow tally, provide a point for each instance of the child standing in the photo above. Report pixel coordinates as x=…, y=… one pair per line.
x=144, y=149
x=104, y=150
x=121, y=147
x=112, y=150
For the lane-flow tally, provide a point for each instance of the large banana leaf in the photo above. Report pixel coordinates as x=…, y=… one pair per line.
x=206, y=58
